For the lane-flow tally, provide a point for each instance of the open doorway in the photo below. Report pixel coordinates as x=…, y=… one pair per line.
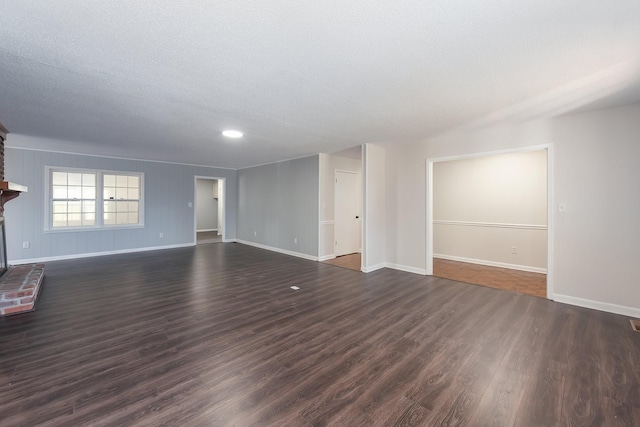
x=341, y=208
x=209, y=210
x=488, y=219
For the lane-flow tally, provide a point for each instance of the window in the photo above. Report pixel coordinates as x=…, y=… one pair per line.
x=75, y=203
x=121, y=199
x=74, y=199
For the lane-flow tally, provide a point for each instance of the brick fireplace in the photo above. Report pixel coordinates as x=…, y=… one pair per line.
x=19, y=285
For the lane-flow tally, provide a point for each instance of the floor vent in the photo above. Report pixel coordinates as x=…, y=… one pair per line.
x=635, y=325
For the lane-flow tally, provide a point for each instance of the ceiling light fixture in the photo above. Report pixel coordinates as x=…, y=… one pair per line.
x=232, y=133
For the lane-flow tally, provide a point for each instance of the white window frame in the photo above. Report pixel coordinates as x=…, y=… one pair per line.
x=99, y=200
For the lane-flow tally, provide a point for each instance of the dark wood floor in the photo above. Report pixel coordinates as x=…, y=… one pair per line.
x=523, y=282
x=213, y=335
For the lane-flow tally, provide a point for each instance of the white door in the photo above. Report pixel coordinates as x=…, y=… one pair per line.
x=346, y=213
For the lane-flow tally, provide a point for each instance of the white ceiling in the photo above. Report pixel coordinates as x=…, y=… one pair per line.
x=160, y=79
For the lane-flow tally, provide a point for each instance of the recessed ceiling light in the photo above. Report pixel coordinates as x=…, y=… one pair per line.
x=232, y=133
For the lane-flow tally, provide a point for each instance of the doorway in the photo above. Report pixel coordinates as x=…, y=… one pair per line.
x=489, y=219
x=209, y=210
x=347, y=213
x=340, y=208
x=347, y=220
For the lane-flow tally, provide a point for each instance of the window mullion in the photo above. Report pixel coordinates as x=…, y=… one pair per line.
x=100, y=200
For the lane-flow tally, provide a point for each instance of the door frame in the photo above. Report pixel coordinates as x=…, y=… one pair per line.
x=358, y=175
x=195, y=205
x=550, y=200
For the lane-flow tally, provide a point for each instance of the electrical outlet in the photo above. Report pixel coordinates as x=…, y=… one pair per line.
x=295, y=240
x=255, y=233
x=25, y=245
x=161, y=235
x=514, y=249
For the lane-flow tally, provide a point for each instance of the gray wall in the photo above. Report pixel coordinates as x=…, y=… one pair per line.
x=207, y=205
x=278, y=203
x=168, y=189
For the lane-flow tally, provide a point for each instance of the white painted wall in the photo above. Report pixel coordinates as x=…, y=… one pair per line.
x=206, y=205
x=375, y=223
x=484, y=206
x=595, y=173
x=328, y=165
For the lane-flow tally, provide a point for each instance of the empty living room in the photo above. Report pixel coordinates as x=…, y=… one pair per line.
x=496, y=135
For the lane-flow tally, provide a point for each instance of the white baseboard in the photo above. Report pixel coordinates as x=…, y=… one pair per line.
x=326, y=257
x=406, y=268
x=282, y=251
x=94, y=254
x=372, y=268
x=492, y=263
x=204, y=230
x=597, y=305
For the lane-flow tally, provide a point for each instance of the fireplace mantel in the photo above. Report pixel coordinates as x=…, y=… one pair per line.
x=9, y=191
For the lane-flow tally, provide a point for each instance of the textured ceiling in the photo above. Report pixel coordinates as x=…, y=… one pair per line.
x=161, y=79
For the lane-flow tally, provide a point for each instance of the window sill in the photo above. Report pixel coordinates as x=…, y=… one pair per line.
x=103, y=228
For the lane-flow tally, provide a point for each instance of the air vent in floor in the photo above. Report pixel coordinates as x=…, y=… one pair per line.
x=635, y=325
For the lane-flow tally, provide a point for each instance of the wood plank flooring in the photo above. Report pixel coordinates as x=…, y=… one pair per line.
x=351, y=261
x=213, y=335
x=206, y=237
x=523, y=282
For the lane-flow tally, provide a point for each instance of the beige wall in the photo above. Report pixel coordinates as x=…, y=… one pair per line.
x=485, y=206
x=595, y=172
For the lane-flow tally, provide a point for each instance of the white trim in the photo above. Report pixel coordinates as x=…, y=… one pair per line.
x=491, y=224
x=492, y=263
x=361, y=207
x=550, y=219
x=408, y=269
x=96, y=254
x=327, y=222
x=282, y=251
x=429, y=211
x=278, y=161
x=372, y=268
x=597, y=305
x=103, y=156
x=98, y=199
x=526, y=149
x=326, y=257
x=321, y=161
x=550, y=203
x=206, y=230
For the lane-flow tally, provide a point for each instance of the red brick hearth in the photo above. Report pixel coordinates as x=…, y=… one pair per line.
x=19, y=288
x=20, y=285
